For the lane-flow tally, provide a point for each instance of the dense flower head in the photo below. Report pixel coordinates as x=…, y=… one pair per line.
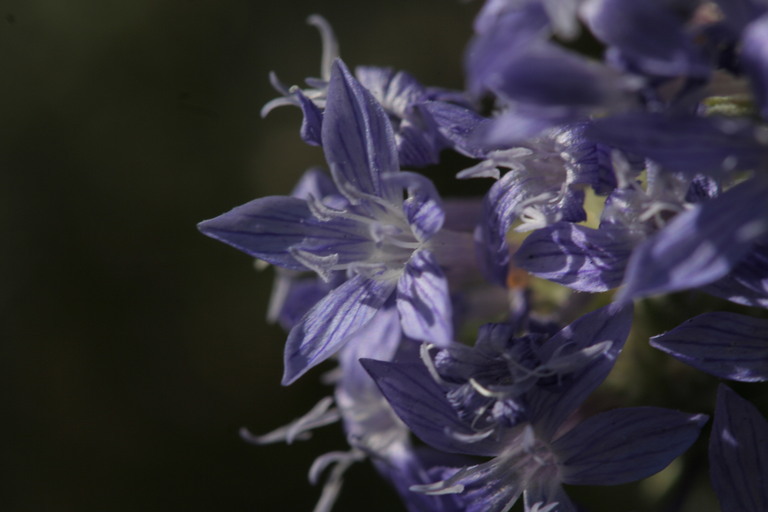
x=478, y=341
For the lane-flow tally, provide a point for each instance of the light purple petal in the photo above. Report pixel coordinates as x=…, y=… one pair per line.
x=550, y=408
x=738, y=454
x=378, y=339
x=423, y=300
x=418, y=145
x=700, y=245
x=357, y=135
x=625, y=445
x=726, y=345
x=423, y=206
x=330, y=323
x=582, y=258
x=264, y=228
x=458, y=124
x=421, y=403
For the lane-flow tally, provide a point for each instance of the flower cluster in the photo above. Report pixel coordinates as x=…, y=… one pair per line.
x=634, y=173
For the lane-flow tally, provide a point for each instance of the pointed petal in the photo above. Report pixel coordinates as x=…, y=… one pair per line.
x=458, y=124
x=378, y=339
x=423, y=300
x=738, y=454
x=625, y=445
x=423, y=207
x=357, y=136
x=726, y=345
x=700, y=245
x=422, y=405
x=550, y=407
x=264, y=228
x=582, y=258
x=330, y=323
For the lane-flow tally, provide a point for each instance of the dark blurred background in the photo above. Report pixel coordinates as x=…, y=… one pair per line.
x=134, y=348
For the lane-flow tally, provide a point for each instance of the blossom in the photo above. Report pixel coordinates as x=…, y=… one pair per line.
x=390, y=248
x=398, y=92
x=512, y=406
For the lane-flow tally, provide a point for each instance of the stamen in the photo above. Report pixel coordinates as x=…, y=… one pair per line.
x=323, y=265
x=329, y=42
x=322, y=211
x=332, y=487
x=427, y=360
x=471, y=438
x=485, y=391
x=319, y=416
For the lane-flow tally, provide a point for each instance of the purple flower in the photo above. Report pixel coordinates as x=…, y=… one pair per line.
x=389, y=247
x=509, y=399
x=399, y=93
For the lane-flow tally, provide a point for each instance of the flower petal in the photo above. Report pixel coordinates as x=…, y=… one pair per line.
x=422, y=405
x=582, y=258
x=726, y=345
x=625, y=445
x=550, y=408
x=357, y=136
x=423, y=207
x=264, y=228
x=330, y=323
x=738, y=454
x=423, y=300
x=700, y=245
